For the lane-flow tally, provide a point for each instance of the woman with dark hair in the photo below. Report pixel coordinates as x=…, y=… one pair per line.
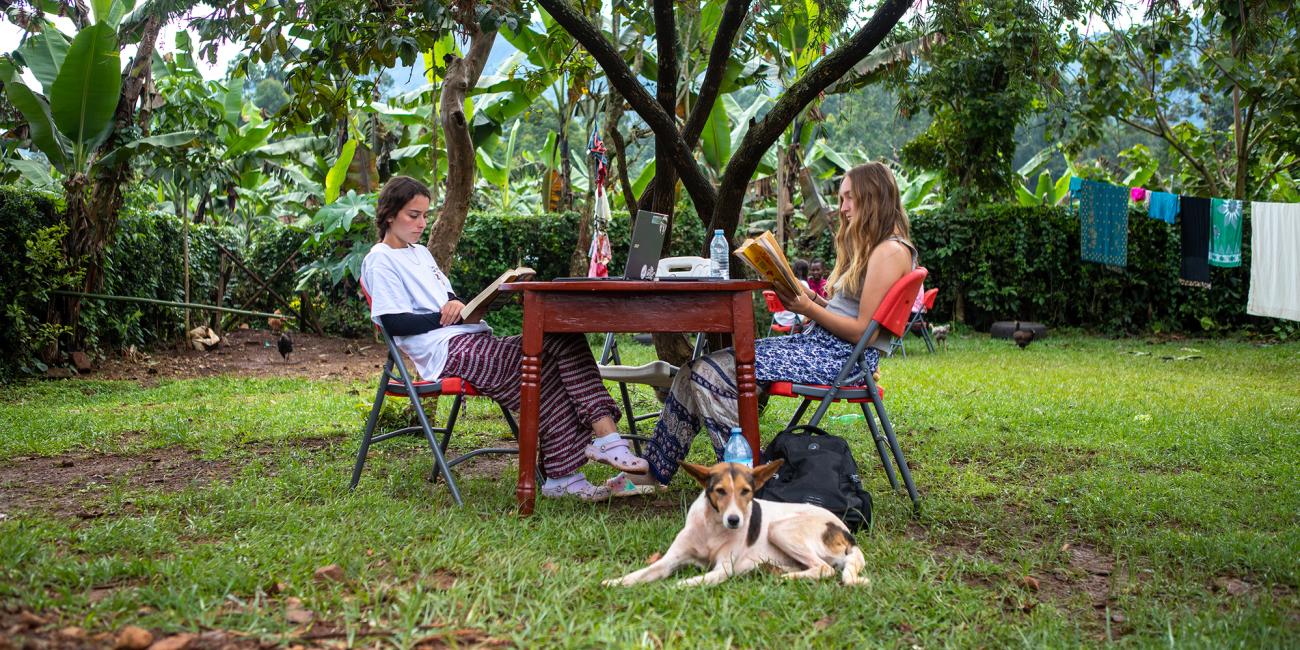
x=873, y=251
x=414, y=301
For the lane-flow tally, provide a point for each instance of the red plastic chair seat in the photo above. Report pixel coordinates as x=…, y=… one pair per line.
x=444, y=386
x=854, y=394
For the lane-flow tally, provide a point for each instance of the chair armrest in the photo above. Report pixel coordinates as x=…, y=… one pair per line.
x=657, y=373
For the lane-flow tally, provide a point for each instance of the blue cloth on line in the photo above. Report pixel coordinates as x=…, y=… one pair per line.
x=1163, y=206
x=1103, y=223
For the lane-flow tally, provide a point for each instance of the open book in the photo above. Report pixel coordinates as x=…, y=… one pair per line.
x=763, y=254
x=491, y=297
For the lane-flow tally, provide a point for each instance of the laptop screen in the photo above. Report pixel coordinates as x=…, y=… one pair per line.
x=647, y=245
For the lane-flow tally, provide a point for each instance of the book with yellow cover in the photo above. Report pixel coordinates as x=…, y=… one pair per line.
x=763, y=254
x=492, y=297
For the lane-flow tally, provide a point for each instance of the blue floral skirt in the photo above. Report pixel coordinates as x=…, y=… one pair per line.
x=813, y=356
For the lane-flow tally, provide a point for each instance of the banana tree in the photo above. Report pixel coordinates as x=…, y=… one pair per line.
x=85, y=119
x=1045, y=190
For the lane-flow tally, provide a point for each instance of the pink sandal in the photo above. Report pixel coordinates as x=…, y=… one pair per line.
x=617, y=455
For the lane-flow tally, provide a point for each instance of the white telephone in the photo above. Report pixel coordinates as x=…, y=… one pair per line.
x=683, y=267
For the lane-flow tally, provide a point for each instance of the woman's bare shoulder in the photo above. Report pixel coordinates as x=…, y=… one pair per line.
x=889, y=249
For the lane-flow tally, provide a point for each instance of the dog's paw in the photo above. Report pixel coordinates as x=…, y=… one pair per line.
x=691, y=582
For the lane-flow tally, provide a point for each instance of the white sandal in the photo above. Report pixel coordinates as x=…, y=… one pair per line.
x=578, y=487
x=617, y=455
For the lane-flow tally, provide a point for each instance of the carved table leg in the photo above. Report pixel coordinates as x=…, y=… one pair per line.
x=530, y=387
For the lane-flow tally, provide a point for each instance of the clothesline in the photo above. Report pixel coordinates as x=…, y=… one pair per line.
x=1210, y=229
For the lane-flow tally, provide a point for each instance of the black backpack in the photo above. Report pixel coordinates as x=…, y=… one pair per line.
x=819, y=469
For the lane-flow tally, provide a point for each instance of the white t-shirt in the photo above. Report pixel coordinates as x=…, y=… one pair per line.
x=408, y=280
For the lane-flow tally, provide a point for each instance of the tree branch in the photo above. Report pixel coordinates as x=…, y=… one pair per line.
x=760, y=137
x=621, y=78
x=733, y=15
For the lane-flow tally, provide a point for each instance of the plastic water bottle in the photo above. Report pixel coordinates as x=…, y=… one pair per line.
x=737, y=450
x=719, y=256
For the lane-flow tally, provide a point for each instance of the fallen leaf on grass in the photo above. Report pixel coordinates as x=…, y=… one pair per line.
x=654, y=557
x=1232, y=586
x=132, y=637
x=295, y=613
x=550, y=567
x=330, y=572
x=1030, y=582
x=823, y=623
x=176, y=642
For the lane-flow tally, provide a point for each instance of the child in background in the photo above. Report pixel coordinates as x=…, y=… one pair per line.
x=817, y=277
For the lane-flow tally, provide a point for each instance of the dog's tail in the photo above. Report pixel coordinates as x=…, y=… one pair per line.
x=854, y=562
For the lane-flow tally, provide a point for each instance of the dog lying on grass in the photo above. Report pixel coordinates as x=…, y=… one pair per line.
x=729, y=532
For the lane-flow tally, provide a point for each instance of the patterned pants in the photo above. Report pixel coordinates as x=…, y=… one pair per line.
x=572, y=395
x=704, y=391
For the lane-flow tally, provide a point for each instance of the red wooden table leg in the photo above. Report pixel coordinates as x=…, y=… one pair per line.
x=530, y=386
x=742, y=332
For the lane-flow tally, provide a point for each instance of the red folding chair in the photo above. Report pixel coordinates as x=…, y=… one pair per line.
x=918, y=324
x=859, y=387
x=401, y=385
x=774, y=305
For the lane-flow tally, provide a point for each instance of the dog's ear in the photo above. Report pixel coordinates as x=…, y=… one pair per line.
x=764, y=472
x=698, y=472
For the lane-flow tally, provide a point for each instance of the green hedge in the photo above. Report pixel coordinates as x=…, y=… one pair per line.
x=31, y=265
x=1011, y=262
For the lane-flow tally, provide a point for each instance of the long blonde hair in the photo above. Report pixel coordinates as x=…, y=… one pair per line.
x=879, y=216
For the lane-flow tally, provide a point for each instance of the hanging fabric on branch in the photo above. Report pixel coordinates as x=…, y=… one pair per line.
x=1225, y=233
x=1274, y=260
x=1195, y=216
x=1103, y=223
x=599, y=254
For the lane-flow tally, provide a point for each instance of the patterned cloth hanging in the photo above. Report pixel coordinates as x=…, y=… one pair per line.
x=1225, y=233
x=599, y=254
x=1103, y=223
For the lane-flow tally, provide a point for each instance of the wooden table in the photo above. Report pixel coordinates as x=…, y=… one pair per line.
x=724, y=306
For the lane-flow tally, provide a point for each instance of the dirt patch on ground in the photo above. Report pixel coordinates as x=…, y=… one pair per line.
x=252, y=353
x=72, y=485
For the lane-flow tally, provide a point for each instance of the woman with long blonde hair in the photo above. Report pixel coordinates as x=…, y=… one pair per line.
x=873, y=250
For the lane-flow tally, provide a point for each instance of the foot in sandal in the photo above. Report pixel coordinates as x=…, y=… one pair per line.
x=574, y=485
x=631, y=485
x=615, y=452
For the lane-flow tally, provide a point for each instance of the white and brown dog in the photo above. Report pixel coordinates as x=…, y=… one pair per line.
x=729, y=532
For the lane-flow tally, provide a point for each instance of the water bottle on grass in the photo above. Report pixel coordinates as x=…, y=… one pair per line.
x=737, y=449
x=719, y=256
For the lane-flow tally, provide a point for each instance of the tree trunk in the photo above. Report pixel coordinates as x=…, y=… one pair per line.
x=93, y=204
x=462, y=74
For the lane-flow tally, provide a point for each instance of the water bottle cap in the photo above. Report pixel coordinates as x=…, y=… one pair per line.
x=718, y=231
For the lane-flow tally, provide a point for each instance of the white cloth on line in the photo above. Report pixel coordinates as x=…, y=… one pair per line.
x=1274, y=260
x=408, y=281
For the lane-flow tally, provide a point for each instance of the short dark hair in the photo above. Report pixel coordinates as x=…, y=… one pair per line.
x=801, y=269
x=397, y=192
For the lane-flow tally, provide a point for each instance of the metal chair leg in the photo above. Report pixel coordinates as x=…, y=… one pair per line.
x=880, y=446
x=898, y=454
x=456, y=404
x=370, y=430
x=437, y=451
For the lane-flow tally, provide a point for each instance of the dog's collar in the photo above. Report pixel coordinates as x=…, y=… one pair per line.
x=755, y=523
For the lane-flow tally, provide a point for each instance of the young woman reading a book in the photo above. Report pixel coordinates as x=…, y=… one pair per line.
x=413, y=300
x=873, y=251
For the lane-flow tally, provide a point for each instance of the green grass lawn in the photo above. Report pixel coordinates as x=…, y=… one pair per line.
x=1080, y=491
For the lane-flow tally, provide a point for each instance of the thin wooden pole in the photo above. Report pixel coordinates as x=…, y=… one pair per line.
x=168, y=303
